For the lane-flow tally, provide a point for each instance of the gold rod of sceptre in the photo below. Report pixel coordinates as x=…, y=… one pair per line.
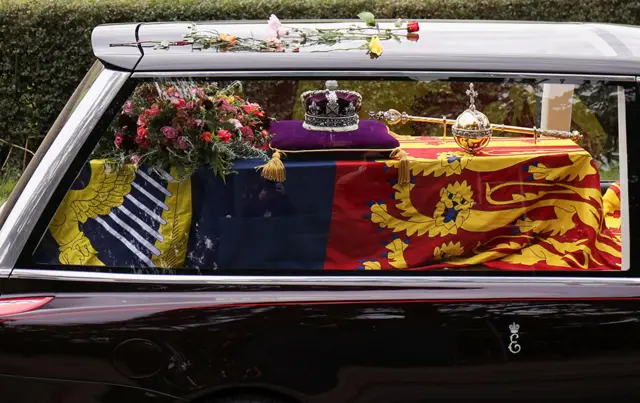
x=393, y=117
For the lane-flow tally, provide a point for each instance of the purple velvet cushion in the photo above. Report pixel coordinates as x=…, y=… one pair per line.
x=371, y=134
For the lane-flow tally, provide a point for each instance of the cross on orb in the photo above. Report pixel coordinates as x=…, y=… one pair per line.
x=472, y=94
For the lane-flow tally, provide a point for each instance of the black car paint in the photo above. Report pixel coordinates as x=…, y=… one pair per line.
x=378, y=344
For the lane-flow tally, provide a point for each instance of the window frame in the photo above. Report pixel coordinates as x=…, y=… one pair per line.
x=65, y=142
x=91, y=137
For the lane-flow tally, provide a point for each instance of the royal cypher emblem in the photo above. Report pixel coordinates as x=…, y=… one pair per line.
x=514, y=347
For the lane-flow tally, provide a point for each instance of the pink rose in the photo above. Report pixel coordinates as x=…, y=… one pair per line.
x=119, y=139
x=135, y=159
x=198, y=122
x=275, y=28
x=227, y=107
x=224, y=135
x=169, y=132
x=128, y=107
x=246, y=131
x=182, y=144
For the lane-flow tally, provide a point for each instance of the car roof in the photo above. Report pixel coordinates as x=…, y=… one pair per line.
x=471, y=46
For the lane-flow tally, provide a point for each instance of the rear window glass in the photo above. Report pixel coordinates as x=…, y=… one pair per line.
x=351, y=175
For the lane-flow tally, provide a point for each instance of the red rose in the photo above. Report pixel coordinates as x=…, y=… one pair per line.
x=143, y=119
x=206, y=137
x=142, y=132
x=143, y=143
x=224, y=135
x=413, y=37
x=155, y=110
x=179, y=103
x=250, y=108
x=412, y=26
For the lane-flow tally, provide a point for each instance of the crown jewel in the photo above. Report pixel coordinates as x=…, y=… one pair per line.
x=331, y=110
x=514, y=327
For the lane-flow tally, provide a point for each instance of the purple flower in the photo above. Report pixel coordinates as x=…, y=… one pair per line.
x=169, y=132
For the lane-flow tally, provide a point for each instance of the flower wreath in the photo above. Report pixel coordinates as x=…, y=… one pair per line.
x=187, y=126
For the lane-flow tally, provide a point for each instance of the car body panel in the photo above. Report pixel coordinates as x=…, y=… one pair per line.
x=359, y=344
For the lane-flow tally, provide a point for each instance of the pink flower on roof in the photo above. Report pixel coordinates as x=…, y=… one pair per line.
x=275, y=29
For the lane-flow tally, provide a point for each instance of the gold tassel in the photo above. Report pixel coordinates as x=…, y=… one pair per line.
x=404, y=174
x=274, y=169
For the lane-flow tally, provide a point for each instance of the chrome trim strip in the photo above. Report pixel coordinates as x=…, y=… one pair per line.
x=46, y=177
x=344, y=281
x=4, y=273
x=79, y=92
x=625, y=211
x=373, y=73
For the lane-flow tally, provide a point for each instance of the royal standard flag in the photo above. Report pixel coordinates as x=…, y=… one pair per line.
x=514, y=206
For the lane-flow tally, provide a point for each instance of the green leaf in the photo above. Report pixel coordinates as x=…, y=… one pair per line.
x=368, y=17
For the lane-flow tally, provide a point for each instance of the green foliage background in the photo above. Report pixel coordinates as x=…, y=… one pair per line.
x=45, y=45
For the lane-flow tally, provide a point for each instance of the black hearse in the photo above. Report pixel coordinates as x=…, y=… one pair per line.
x=322, y=211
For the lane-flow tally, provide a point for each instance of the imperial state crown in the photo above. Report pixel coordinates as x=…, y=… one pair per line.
x=331, y=110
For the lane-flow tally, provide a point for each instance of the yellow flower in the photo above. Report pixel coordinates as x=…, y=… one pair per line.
x=448, y=250
x=228, y=38
x=375, y=47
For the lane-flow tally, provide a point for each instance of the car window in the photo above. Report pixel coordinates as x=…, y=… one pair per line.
x=211, y=176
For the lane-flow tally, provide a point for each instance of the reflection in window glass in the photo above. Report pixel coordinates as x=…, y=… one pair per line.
x=349, y=175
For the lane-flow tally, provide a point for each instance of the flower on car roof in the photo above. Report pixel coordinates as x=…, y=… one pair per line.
x=275, y=29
